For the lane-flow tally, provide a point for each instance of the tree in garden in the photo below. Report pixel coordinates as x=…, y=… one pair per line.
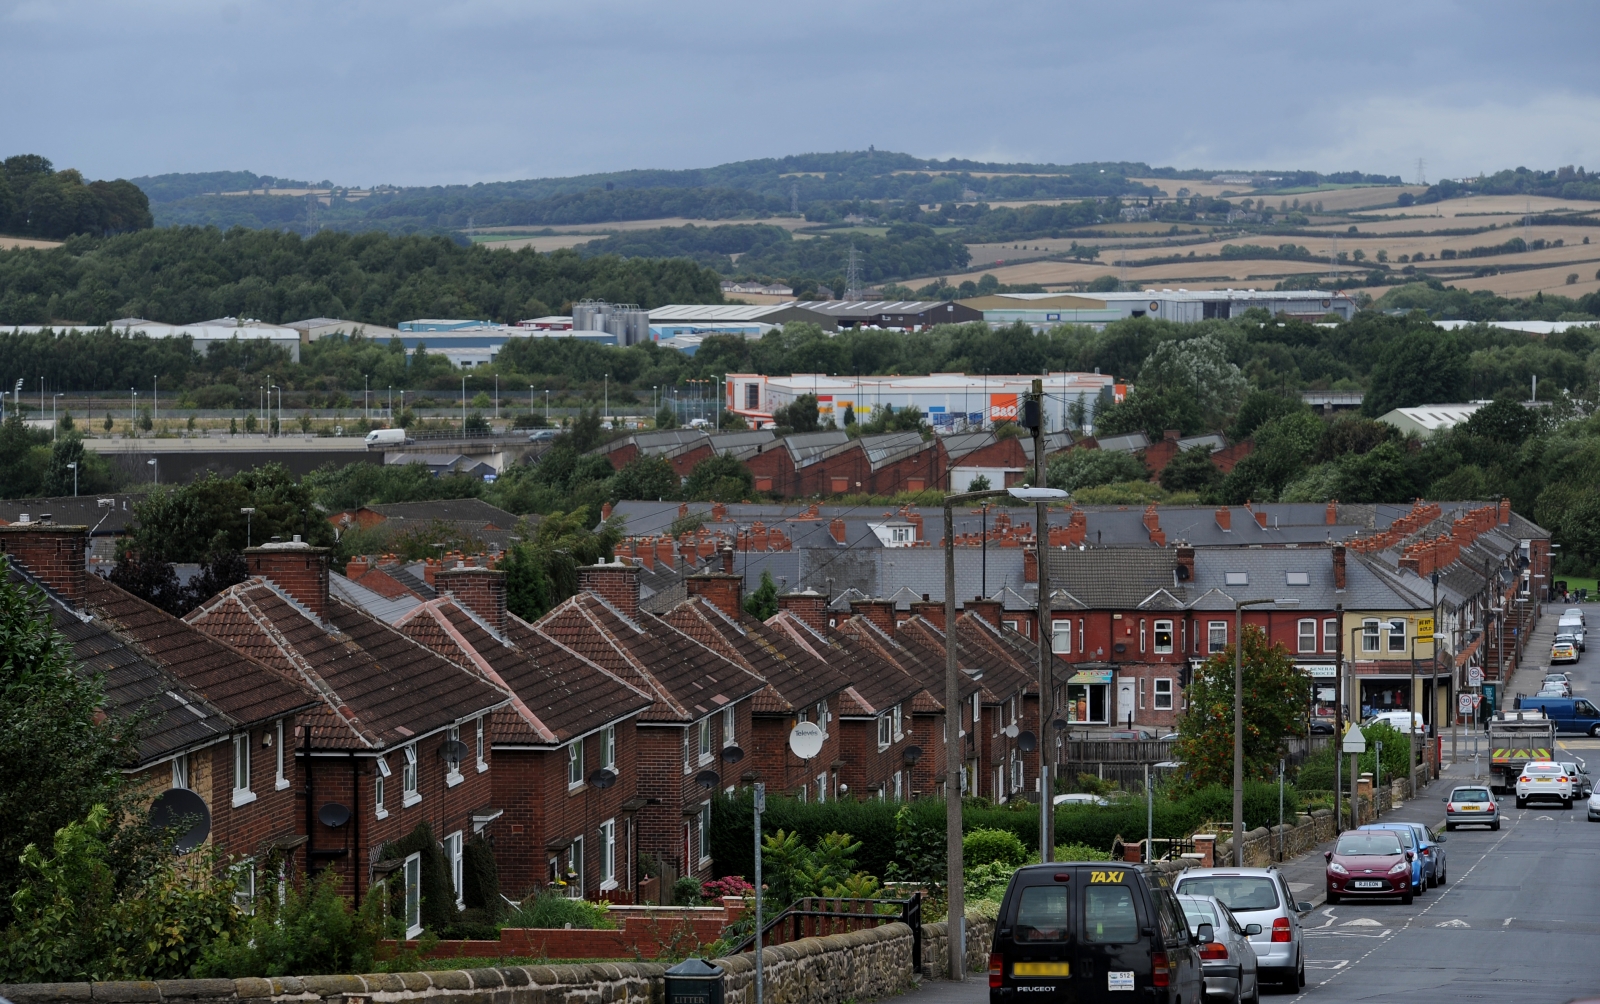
x=719, y=479
x=1076, y=469
x=542, y=566
x=763, y=602
x=1190, y=470
x=1275, y=699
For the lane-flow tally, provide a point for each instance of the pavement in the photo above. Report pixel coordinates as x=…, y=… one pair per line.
x=1514, y=923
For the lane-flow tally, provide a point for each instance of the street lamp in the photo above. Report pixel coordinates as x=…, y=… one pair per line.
x=248, y=514
x=155, y=472
x=953, y=761
x=1238, y=726
x=54, y=427
x=74, y=467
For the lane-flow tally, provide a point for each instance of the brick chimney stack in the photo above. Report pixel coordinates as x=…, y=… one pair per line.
x=931, y=611
x=879, y=612
x=808, y=605
x=1505, y=511
x=1261, y=518
x=481, y=590
x=55, y=555
x=723, y=590
x=837, y=529
x=295, y=567
x=1338, y=566
x=1332, y=516
x=1225, y=518
x=989, y=610
x=1030, y=566
x=1184, y=563
x=615, y=582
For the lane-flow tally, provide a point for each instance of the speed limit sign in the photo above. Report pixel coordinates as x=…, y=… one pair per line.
x=1474, y=676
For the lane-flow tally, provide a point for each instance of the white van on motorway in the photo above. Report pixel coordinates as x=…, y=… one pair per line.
x=386, y=437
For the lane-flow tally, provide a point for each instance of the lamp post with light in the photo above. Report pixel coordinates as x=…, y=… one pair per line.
x=74, y=467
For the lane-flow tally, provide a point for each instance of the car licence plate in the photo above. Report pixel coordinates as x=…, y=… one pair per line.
x=1119, y=980
x=1368, y=885
x=1469, y=808
x=1041, y=969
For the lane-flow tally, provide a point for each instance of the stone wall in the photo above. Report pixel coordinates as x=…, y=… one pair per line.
x=860, y=965
x=936, y=946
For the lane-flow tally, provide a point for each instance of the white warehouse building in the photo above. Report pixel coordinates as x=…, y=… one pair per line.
x=1170, y=304
x=953, y=402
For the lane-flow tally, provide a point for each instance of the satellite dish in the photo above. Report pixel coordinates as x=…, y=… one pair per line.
x=603, y=778
x=805, y=740
x=1010, y=731
x=708, y=778
x=732, y=754
x=912, y=754
x=333, y=815
x=1027, y=742
x=1058, y=724
x=175, y=805
x=454, y=750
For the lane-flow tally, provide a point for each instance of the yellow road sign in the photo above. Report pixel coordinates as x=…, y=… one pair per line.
x=1424, y=629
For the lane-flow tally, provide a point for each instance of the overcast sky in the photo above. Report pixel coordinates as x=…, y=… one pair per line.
x=437, y=92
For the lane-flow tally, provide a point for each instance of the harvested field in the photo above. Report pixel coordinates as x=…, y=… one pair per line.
x=602, y=229
x=1343, y=199
x=1209, y=189
x=1480, y=205
x=8, y=243
x=1224, y=273
x=1542, y=280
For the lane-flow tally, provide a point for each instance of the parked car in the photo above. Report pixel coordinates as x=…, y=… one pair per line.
x=1259, y=896
x=1432, y=848
x=1575, y=613
x=1544, y=780
x=1408, y=840
x=1470, y=805
x=1593, y=806
x=1129, y=734
x=1570, y=714
x=1227, y=962
x=1082, y=930
x=1400, y=721
x=1574, y=626
x=1582, y=784
x=1079, y=798
x=1369, y=863
x=1564, y=649
x=1322, y=726
x=1554, y=690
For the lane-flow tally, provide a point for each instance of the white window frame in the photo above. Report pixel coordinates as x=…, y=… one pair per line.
x=242, y=795
x=575, y=764
x=380, y=777
x=576, y=864
x=1162, y=693
x=899, y=723
x=244, y=877
x=822, y=787
x=686, y=730
x=452, y=775
x=1214, y=629
x=730, y=727
x=608, y=855
x=1157, y=647
x=1330, y=635
x=824, y=716
x=802, y=794
x=1141, y=693
x=1142, y=636
x=1307, y=634
x=1016, y=772
x=453, y=859
x=180, y=771
x=483, y=749
x=608, y=749
x=883, y=732
x=704, y=834
x=1061, y=636
x=977, y=711
x=1400, y=635
x=412, y=877
x=1369, y=635
x=705, y=740
x=410, y=777
x=899, y=787
x=280, y=779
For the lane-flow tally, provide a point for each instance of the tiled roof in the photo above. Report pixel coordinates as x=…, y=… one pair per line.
x=381, y=605
x=384, y=686
x=796, y=679
x=381, y=582
x=924, y=673
x=450, y=510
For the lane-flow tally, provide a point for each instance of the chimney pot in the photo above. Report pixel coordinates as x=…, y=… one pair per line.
x=295, y=567
x=615, y=583
x=54, y=555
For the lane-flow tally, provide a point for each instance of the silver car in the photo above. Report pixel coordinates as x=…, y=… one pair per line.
x=1228, y=962
x=1259, y=896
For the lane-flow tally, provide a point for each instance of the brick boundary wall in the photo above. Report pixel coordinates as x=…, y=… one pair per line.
x=859, y=965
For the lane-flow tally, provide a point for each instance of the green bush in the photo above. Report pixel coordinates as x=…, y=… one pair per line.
x=439, y=913
x=1080, y=852
x=552, y=909
x=686, y=892
x=315, y=930
x=481, y=879
x=1318, y=772
x=984, y=846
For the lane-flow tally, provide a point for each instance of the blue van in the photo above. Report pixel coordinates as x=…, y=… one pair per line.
x=1571, y=714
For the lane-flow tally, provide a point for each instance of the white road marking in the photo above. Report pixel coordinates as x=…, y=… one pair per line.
x=1457, y=922
x=1362, y=922
x=1507, y=922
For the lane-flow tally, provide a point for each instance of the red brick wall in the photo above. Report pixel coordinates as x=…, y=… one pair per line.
x=684, y=462
x=247, y=830
x=481, y=590
x=769, y=754
x=776, y=466
x=926, y=466
x=616, y=584
x=53, y=554
x=719, y=589
x=302, y=572
x=620, y=456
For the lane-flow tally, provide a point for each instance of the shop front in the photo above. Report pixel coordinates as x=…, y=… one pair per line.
x=1324, y=691
x=1088, y=697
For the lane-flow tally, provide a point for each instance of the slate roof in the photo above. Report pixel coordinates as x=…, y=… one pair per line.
x=467, y=510
x=380, y=688
x=1105, y=578
x=385, y=607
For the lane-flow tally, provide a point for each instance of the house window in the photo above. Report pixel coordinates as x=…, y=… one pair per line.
x=1016, y=772
x=180, y=771
x=483, y=763
x=608, y=854
x=686, y=732
x=977, y=711
x=883, y=732
x=1308, y=635
x=242, y=794
x=822, y=787
x=1330, y=635
x=705, y=740
x=608, y=749
x=1141, y=635
x=452, y=737
x=575, y=764
x=1217, y=635
x=899, y=723
x=899, y=787
x=575, y=869
x=705, y=834
x=244, y=884
x=280, y=780
x=409, y=795
x=901, y=534
x=823, y=717
x=1369, y=635
x=1163, y=638
x=452, y=858
x=728, y=735
x=413, y=873
x=379, y=781
x=1141, y=693
x=1397, y=635
x=1163, y=694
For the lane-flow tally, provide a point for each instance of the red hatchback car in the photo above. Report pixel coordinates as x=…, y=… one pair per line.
x=1369, y=863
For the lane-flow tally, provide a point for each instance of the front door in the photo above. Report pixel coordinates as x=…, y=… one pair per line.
x=1125, y=686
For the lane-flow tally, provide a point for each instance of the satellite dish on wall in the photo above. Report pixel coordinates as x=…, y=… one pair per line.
x=805, y=740
x=912, y=754
x=708, y=778
x=1010, y=731
x=732, y=753
x=1027, y=742
x=333, y=815
x=603, y=778
x=1058, y=724
x=175, y=805
x=453, y=749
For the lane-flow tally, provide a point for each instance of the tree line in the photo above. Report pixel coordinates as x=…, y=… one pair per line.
x=36, y=200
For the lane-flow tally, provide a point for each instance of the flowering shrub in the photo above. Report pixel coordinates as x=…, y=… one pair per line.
x=728, y=885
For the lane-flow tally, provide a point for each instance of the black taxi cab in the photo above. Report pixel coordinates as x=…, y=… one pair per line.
x=1090, y=932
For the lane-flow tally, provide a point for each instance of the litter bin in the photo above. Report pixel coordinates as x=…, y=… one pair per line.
x=694, y=981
